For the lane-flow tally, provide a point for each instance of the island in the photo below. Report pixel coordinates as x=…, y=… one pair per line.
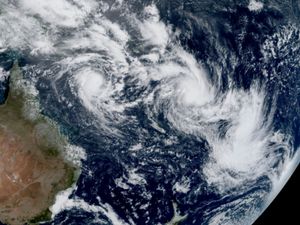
x=32, y=166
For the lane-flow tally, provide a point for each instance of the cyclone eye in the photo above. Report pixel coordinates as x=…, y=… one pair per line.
x=146, y=112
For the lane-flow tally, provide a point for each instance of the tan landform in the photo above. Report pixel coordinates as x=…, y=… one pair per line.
x=32, y=167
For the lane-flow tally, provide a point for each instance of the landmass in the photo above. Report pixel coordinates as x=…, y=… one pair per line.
x=32, y=166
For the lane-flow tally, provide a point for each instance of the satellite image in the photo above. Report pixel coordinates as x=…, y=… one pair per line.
x=147, y=112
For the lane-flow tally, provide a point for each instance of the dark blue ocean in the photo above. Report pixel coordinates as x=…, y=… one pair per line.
x=149, y=150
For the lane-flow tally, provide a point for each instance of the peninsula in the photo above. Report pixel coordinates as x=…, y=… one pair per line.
x=32, y=166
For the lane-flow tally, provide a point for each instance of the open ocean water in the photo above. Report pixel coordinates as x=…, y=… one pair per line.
x=177, y=110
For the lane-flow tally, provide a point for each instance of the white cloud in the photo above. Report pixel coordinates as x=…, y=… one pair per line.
x=59, y=12
x=255, y=5
x=64, y=202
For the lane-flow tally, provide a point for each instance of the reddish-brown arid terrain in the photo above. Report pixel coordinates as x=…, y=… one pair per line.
x=32, y=169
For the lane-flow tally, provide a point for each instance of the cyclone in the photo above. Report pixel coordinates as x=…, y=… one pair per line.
x=188, y=111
